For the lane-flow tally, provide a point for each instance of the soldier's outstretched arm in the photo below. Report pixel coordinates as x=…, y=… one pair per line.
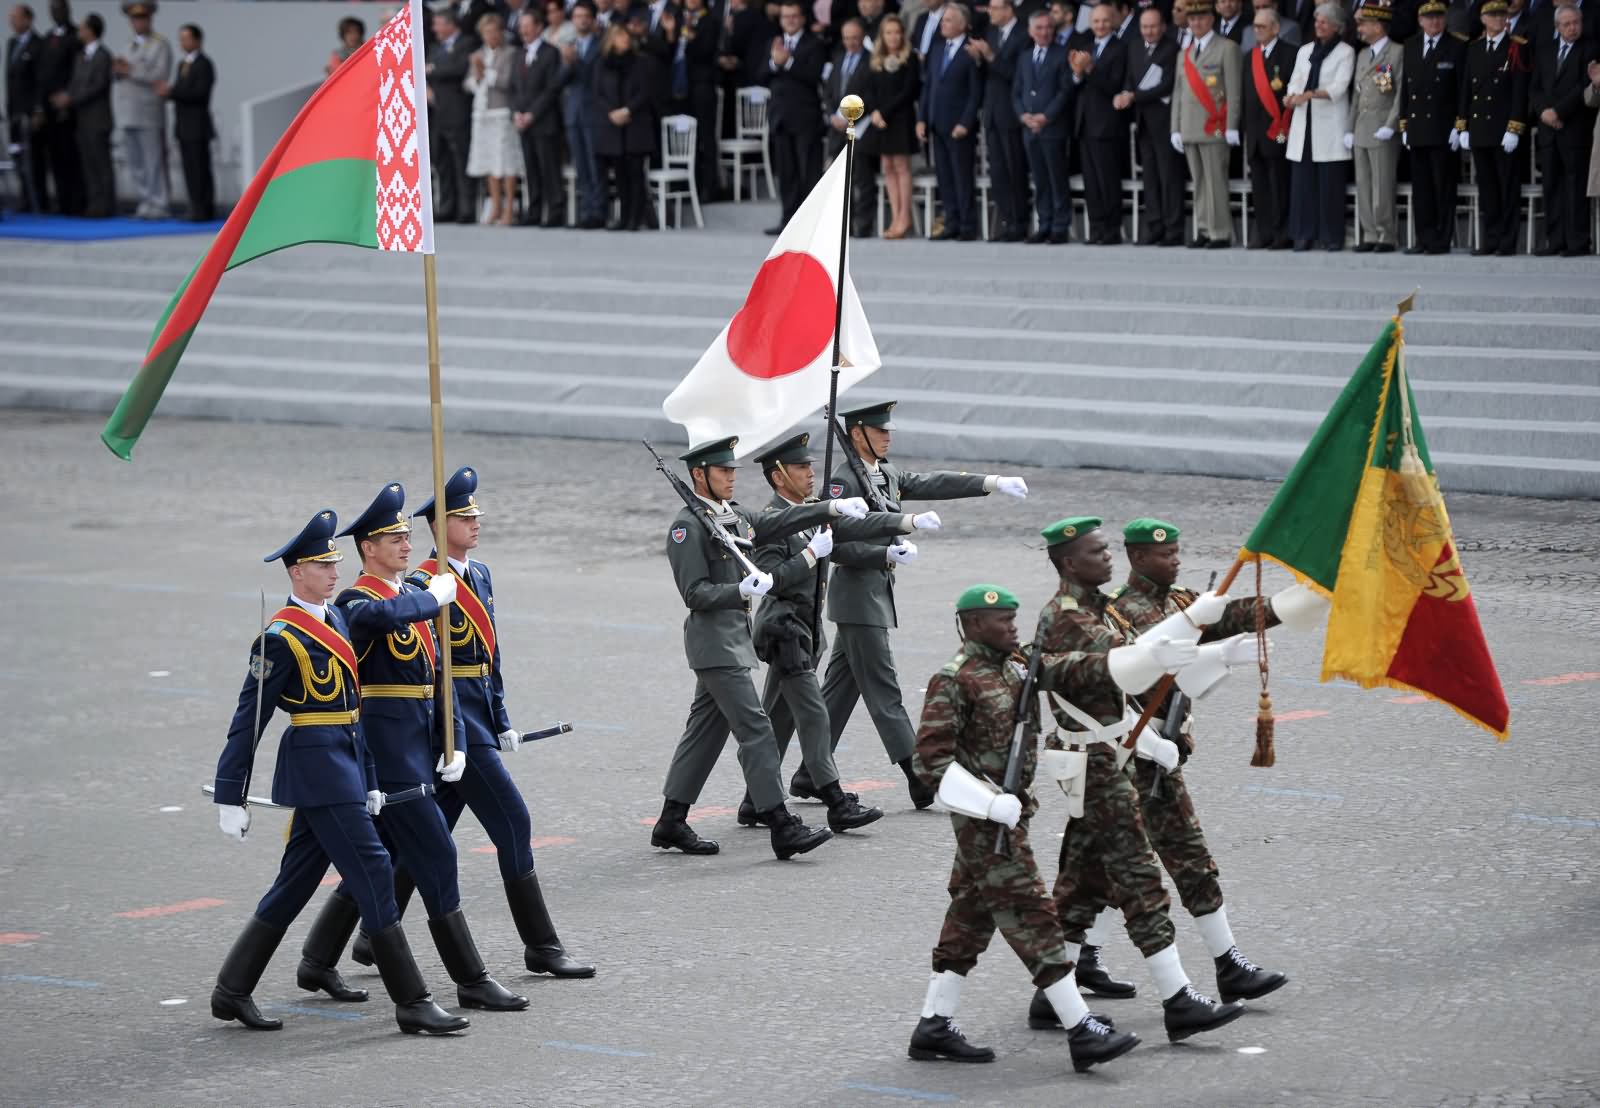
x=369, y=618
x=946, y=485
x=779, y=522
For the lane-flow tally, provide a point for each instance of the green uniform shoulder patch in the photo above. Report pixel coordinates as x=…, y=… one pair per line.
x=1118, y=591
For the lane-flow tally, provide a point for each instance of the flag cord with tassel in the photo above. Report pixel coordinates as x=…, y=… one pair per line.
x=1265, y=754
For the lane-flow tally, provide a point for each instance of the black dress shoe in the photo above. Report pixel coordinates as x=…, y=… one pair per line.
x=1258, y=245
x=553, y=224
x=968, y=236
x=1301, y=247
x=1576, y=252
x=1432, y=250
x=1238, y=978
x=1042, y=1014
x=845, y=810
x=414, y=1009
x=1093, y=976
x=1416, y=248
x=1547, y=251
x=474, y=987
x=1507, y=250
x=791, y=837
x=466, y=219
x=1282, y=244
x=1111, y=240
x=1172, y=240
x=1060, y=238
x=672, y=831
x=1383, y=248
x=1484, y=251
x=319, y=955
x=1199, y=242
x=1219, y=244
x=1017, y=235
x=241, y=971
x=748, y=816
x=241, y=1007
x=1333, y=247
x=1149, y=238
x=1037, y=238
x=801, y=787
x=1364, y=247
x=947, y=235
x=938, y=1039
x=593, y=223
x=1093, y=1041
x=1189, y=1012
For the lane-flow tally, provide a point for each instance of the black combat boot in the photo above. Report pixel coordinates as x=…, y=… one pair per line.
x=240, y=971
x=361, y=949
x=921, y=795
x=1190, y=1012
x=474, y=987
x=748, y=816
x=542, y=951
x=673, y=830
x=938, y=1039
x=801, y=786
x=414, y=1009
x=790, y=836
x=319, y=957
x=1238, y=978
x=1094, y=1041
x=845, y=810
x=1093, y=976
x=1042, y=1014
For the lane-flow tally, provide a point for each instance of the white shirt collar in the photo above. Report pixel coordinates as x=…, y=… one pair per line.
x=318, y=610
x=1379, y=46
x=720, y=505
x=954, y=44
x=88, y=51
x=191, y=56
x=459, y=567
x=1494, y=43
x=1005, y=32
x=1202, y=43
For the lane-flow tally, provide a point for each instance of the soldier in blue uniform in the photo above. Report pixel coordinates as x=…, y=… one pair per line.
x=396, y=654
x=485, y=787
x=305, y=664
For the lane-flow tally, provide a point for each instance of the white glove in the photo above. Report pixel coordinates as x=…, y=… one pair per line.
x=757, y=584
x=1405, y=140
x=1240, y=650
x=852, y=506
x=1299, y=608
x=457, y=766
x=1136, y=667
x=234, y=820
x=1171, y=654
x=1462, y=143
x=442, y=587
x=821, y=544
x=1207, y=608
x=1349, y=141
x=1508, y=142
x=1232, y=137
x=903, y=553
x=374, y=802
x=1177, y=142
x=509, y=740
x=926, y=521
x=1005, y=809
x=1153, y=748
x=1383, y=134
x=1012, y=486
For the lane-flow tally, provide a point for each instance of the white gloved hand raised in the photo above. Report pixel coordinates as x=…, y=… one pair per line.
x=1006, y=809
x=1383, y=134
x=1349, y=141
x=374, y=802
x=1171, y=654
x=1207, y=608
x=442, y=587
x=1240, y=650
x=1232, y=137
x=453, y=771
x=1012, y=486
x=1509, y=141
x=926, y=521
x=509, y=740
x=903, y=553
x=1464, y=142
x=851, y=506
x=1177, y=142
x=234, y=820
x=757, y=584
x=1298, y=607
x=821, y=544
x=1153, y=748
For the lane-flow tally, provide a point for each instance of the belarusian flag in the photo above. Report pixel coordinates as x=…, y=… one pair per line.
x=352, y=168
x=1360, y=519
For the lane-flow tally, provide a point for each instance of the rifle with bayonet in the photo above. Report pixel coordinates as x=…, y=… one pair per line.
x=874, y=498
x=1019, y=723
x=702, y=512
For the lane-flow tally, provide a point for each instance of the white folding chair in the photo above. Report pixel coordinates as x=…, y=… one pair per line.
x=675, y=179
x=749, y=142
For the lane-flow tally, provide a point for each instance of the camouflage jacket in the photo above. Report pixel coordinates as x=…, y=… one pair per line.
x=1080, y=623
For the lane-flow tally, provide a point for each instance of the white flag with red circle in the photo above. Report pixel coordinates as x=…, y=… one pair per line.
x=769, y=368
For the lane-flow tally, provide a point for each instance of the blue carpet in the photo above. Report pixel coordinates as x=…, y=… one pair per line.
x=64, y=228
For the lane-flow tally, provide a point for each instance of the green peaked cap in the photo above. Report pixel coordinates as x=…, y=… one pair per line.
x=1065, y=530
x=983, y=597
x=1147, y=530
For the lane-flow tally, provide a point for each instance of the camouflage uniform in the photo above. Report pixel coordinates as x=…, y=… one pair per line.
x=967, y=717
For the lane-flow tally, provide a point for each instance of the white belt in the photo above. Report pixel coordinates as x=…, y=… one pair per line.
x=1093, y=730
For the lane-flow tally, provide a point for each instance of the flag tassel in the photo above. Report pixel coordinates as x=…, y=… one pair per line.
x=1265, y=755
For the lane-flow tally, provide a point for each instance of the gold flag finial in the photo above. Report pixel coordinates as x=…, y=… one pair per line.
x=852, y=108
x=1409, y=302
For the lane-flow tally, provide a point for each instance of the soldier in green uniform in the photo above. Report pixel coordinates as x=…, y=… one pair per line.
x=717, y=589
x=962, y=747
x=1105, y=855
x=792, y=697
x=861, y=594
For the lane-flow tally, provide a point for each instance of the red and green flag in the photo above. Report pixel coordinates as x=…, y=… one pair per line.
x=1360, y=519
x=352, y=168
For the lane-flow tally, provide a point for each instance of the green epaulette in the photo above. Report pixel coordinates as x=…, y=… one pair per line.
x=1119, y=590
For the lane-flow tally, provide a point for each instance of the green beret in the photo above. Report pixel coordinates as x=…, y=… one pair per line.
x=789, y=452
x=1065, y=530
x=718, y=453
x=869, y=415
x=985, y=597
x=1142, y=531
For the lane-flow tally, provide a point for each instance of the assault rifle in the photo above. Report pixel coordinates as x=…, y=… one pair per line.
x=702, y=512
x=875, y=501
x=1019, y=723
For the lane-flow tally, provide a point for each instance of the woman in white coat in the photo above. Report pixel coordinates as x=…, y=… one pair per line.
x=1319, y=95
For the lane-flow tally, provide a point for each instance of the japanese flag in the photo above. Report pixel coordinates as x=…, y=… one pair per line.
x=769, y=368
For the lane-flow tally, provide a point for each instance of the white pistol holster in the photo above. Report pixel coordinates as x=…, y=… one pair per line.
x=1070, y=770
x=1094, y=731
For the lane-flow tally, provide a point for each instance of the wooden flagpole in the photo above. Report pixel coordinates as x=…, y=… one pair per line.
x=447, y=713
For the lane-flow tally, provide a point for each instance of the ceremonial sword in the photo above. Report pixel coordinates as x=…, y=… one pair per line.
x=557, y=728
x=417, y=792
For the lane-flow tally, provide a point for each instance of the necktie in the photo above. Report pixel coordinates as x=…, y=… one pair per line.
x=1149, y=49
x=1427, y=48
x=1561, y=58
x=1038, y=56
x=849, y=66
x=1098, y=46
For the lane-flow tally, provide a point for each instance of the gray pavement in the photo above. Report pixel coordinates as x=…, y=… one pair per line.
x=1430, y=892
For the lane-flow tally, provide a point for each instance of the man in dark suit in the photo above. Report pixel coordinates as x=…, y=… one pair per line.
x=55, y=133
x=450, y=117
x=1002, y=45
x=947, y=116
x=577, y=118
x=1542, y=31
x=1098, y=62
x=1041, y=95
x=1266, y=131
x=23, y=103
x=191, y=124
x=1430, y=98
x=536, y=114
x=847, y=74
x=925, y=32
x=88, y=94
x=795, y=58
x=1152, y=65
x=1565, y=135
x=1494, y=106
x=1230, y=19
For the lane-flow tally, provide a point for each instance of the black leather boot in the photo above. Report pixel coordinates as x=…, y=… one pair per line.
x=240, y=971
x=1238, y=978
x=414, y=1009
x=361, y=950
x=801, y=786
x=319, y=957
x=1042, y=1014
x=1190, y=1012
x=921, y=795
x=845, y=810
x=1094, y=1041
x=673, y=830
x=474, y=987
x=790, y=836
x=748, y=816
x=938, y=1039
x=542, y=950
x=1094, y=977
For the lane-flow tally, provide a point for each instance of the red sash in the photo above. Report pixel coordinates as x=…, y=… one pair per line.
x=470, y=606
x=336, y=644
x=379, y=589
x=1216, y=122
x=1258, y=70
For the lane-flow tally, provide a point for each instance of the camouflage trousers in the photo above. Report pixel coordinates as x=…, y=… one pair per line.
x=1174, y=831
x=1106, y=859
x=990, y=891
